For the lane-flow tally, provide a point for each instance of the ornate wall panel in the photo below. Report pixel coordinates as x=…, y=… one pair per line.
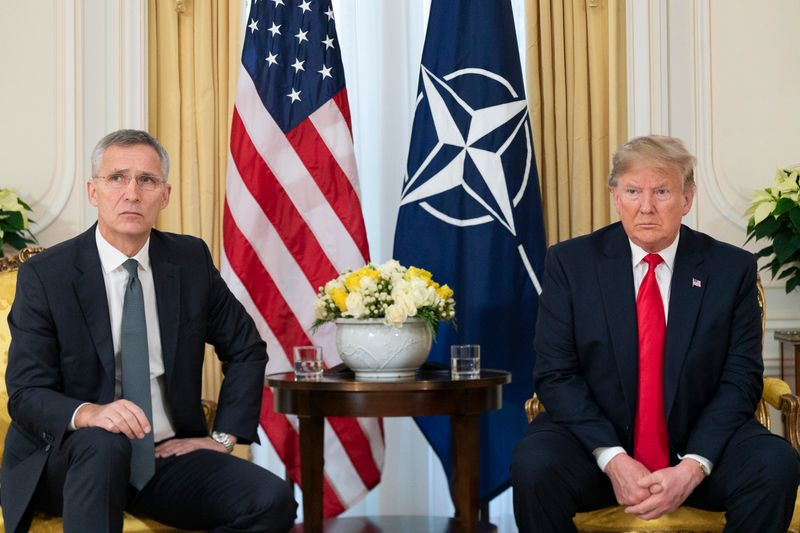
x=72, y=70
x=723, y=76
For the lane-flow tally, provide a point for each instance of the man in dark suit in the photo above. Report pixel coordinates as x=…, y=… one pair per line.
x=650, y=379
x=79, y=445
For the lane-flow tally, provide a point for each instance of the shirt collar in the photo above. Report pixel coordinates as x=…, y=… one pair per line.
x=112, y=259
x=667, y=254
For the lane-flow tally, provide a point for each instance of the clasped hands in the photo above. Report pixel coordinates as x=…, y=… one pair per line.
x=649, y=495
x=124, y=416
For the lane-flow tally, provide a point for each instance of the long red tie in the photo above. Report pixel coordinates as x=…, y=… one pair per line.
x=650, y=441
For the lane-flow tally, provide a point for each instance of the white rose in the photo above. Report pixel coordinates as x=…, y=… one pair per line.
x=355, y=305
x=388, y=268
x=422, y=296
x=395, y=316
x=334, y=284
x=404, y=300
x=368, y=284
x=320, y=309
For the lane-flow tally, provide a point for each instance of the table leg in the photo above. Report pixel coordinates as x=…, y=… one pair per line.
x=311, y=464
x=466, y=468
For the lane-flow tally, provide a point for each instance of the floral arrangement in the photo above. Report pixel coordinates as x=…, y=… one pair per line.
x=14, y=223
x=775, y=215
x=389, y=291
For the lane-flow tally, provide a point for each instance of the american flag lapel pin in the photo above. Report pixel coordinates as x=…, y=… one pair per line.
x=696, y=283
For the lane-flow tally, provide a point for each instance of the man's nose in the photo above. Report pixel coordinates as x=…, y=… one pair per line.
x=131, y=190
x=647, y=204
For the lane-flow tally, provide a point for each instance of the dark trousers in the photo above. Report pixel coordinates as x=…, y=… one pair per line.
x=86, y=482
x=553, y=477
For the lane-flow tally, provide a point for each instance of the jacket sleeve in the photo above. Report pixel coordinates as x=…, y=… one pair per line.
x=33, y=375
x=557, y=375
x=741, y=381
x=243, y=354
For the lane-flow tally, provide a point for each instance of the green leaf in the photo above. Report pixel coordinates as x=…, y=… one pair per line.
x=794, y=216
x=23, y=204
x=16, y=220
x=767, y=227
x=15, y=241
x=792, y=283
x=784, y=248
x=765, y=252
x=784, y=205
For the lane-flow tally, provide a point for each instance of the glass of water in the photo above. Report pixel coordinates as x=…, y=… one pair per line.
x=308, y=362
x=465, y=361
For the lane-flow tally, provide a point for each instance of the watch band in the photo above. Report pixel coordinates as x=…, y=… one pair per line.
x=224, y=439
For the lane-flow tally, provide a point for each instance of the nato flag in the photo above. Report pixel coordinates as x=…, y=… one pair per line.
x=470, y=211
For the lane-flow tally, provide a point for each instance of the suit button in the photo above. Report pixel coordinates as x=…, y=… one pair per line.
x=627, y=429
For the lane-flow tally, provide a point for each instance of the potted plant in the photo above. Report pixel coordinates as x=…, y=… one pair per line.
x=775, y=216
x=386, y=316
x=14, y=223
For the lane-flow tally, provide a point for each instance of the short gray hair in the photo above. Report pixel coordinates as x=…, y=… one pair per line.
x=129, y=138
x=653, y=151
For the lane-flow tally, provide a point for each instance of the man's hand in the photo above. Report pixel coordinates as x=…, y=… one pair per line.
x=625, y=473
x=184, y=446
x=669, y=487
x=120, y=416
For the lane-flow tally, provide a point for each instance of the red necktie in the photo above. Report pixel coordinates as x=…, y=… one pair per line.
x=650, y=442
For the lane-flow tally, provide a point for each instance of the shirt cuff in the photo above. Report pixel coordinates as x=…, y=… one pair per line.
x=604, y=455
x=71, y=426
x=705, y=464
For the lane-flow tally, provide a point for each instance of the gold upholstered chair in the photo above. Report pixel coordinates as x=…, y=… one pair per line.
x=777, y=395
x=8, y=282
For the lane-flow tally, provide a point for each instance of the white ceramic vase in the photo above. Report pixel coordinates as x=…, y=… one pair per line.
x=374, y=350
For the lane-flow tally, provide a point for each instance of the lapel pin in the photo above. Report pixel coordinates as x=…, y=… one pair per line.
x=696, y=283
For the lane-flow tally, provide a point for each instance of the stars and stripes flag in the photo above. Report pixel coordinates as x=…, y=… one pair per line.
x=292, y=217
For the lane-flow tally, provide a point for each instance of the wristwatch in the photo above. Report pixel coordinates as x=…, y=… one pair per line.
x=224, y=439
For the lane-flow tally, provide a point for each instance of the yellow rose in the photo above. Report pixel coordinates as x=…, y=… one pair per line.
x=339, y=297
x=414, y=272
x=353, y=280
x=444, y=292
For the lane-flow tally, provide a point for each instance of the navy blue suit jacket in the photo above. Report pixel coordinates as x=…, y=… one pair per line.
x=62, y=353
x=586, y=342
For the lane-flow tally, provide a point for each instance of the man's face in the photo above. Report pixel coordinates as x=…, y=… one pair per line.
x=650, y=203
x=125, y=215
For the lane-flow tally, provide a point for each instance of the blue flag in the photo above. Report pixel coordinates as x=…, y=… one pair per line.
x=470, y=211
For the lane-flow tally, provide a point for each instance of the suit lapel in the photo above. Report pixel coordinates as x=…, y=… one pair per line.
x=689, y=280
x=615, y=277
x=167, y=284
x=90, y=290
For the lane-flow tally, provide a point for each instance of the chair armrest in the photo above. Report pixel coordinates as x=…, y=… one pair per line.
x=533, y=407
x=209, y=411
x=778, y=394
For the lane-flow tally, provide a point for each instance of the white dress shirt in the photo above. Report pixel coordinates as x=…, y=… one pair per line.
x=116, y=279
x=664, y=280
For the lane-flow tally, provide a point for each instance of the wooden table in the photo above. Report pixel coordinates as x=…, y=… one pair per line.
x=430, y=393
x=790, y=349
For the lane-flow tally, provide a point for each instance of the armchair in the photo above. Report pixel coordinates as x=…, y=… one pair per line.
x=777, y=395
x=8, y=280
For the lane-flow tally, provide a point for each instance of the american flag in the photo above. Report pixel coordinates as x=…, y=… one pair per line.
x=292, y=217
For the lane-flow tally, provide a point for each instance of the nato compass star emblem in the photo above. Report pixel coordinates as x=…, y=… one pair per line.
x=467, y=156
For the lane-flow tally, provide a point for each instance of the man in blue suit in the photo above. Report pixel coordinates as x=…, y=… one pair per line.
x=75, y=430
x=650, y=379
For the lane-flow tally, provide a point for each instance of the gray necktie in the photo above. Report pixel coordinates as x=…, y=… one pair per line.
x=136, y=373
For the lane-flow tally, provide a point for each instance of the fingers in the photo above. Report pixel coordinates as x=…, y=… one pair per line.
x=178, y=447
x=120, y=416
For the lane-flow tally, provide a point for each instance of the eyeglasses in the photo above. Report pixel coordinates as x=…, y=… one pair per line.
x=144, y=182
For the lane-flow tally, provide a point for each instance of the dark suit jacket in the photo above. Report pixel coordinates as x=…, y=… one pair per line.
x=586, y=342
x=62, y=355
